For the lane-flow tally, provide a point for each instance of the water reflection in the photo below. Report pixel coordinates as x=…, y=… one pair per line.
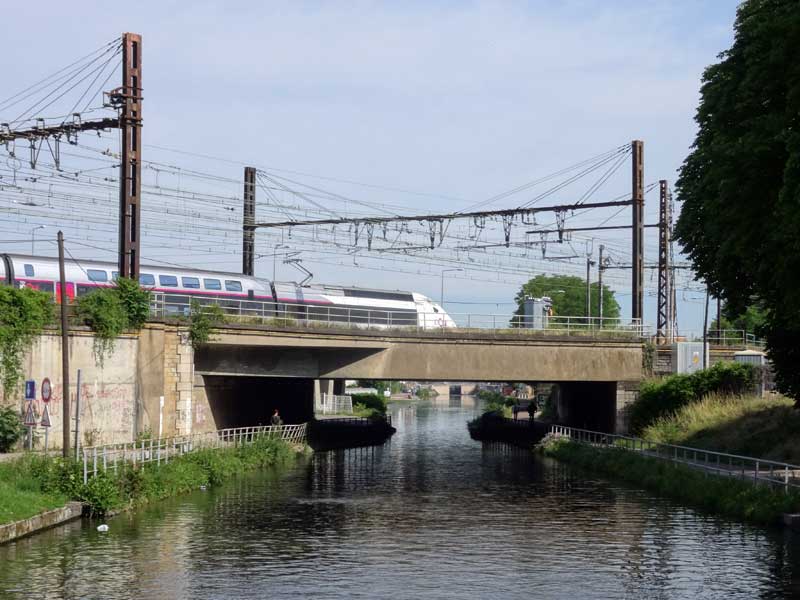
x=429, y=515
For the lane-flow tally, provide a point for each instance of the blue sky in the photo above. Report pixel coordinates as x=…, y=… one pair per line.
x=460, y=100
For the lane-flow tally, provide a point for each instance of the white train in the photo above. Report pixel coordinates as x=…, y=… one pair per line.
x=174, y=289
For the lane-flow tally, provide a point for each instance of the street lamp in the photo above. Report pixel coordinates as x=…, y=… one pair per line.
x=441, y=296
x=33, y=238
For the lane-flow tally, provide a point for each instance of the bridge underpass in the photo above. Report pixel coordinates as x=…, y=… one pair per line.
x=244, y=373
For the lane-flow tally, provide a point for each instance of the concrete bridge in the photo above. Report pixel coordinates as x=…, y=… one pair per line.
x=155, y=381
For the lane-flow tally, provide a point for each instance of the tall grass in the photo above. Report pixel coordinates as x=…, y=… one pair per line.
x=759, y=427
x=33, y=484
x=22, y=494
x=724, y=496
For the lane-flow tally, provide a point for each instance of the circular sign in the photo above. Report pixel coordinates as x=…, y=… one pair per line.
x=46, y=390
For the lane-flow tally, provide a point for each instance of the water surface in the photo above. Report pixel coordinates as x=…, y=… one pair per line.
x=430, y=515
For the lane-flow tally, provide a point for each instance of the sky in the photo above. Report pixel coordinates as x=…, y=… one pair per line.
x=455, y=101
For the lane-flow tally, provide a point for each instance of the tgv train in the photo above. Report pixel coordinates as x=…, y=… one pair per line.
x=174, y=289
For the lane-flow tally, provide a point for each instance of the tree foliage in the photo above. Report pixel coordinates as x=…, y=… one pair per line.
x=750, y=321
x=740, y=185
x=23, y=314
x=568, y=294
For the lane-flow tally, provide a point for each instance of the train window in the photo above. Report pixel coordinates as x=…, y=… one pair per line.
x=97, y=275
x=191, y=282
x=114, y=275
x=28, y=270
x=146, y=279
x=233, y=286
x=168, y=280
x=212, y=284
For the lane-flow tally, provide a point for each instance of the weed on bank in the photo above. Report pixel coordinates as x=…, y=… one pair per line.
x=723, y=496
x=34, y=483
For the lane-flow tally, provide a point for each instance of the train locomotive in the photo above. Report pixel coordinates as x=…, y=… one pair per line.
x=174, y=289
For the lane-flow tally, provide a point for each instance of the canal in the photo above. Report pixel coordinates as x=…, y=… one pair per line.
x=431, y=514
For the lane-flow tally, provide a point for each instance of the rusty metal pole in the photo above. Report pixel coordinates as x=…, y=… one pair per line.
x=248, y=222
x=130, y=122
x=65, y=417
x=637, y=237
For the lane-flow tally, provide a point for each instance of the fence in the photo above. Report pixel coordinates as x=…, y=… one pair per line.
x=285, y=314
x=331, y=404
x=726, y=338
x=746, y=468
x=356, y=421
x=160, y=450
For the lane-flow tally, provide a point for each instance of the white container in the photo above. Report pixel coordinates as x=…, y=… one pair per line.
x=759, y=361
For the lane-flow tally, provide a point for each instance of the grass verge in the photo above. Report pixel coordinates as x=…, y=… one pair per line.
x=21, y=493
x=727, y=497
x=53, y=481
x=750, y=426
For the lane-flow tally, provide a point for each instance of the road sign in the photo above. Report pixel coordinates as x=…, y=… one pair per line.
x=30, y=418
x=45, y=418
x=47, y=390
x=30, y=389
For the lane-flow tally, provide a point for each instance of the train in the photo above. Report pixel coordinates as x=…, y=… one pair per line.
x=174, y=289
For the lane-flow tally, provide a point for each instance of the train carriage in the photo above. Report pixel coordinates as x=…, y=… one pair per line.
x=175, y=289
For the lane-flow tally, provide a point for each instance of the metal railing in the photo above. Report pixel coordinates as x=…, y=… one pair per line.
x=284, y=314
x=359, y=421
x=725, y=338
x=746, y=468
x=112, y=456
x=332, y=404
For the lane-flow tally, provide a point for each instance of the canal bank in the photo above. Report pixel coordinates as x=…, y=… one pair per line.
x=431, y=514
x=114, y=479
x=727, y=496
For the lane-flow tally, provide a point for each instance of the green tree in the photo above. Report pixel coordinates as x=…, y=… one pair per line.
x=376, y=384
x=568, y=294
x=750, y=321
x=740, y=185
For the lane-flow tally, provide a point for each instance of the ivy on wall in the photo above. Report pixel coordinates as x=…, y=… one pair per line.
x=24, y=313
x=110, y=311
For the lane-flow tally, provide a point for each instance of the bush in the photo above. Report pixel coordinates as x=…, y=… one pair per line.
x=10, y=428
x=135, y=302
x=659, y=398
x=101, y=493
x=371, y=402
x=110, y=311
x=103, y=312
x=201, y=321
x=361, y=410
